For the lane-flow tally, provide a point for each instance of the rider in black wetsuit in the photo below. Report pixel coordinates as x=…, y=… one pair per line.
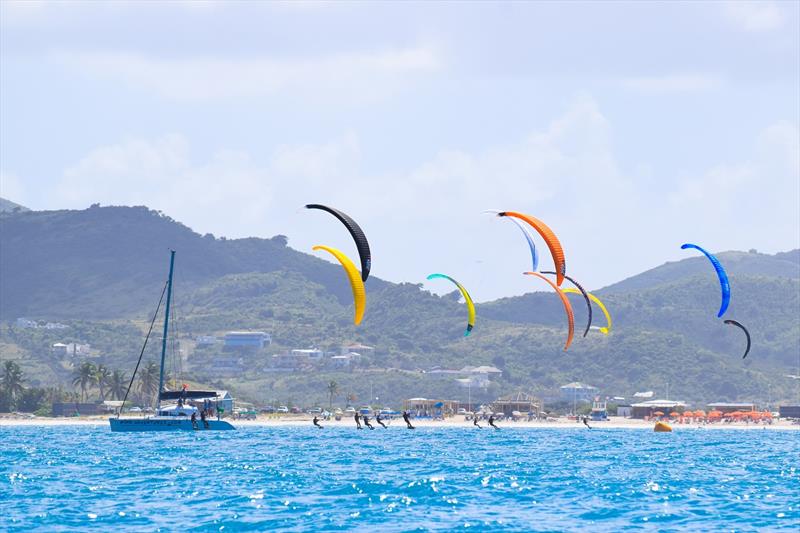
x=586, y=422
x=491, y=422
x=316, y=422
x=475, y=421
x=366, y=422
x=379, y=421
x=357, y=418
x=408, y=422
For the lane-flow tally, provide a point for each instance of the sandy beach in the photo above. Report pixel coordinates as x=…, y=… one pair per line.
x=453, y=422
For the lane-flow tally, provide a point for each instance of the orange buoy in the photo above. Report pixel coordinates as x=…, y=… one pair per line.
x=662, y=427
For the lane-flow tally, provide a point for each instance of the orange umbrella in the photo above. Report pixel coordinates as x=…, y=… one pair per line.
x=736, y=414
x=674, y=414
x=687, y=414
x=700, y=414
x=658, y=413
x=714, y=414
x=766, y=414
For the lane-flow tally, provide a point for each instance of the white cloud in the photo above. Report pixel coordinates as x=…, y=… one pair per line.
x=673, y=83
x=754, y=201
x=753, y=16
x=222, y=195
x=429, y=217
x=207, y=78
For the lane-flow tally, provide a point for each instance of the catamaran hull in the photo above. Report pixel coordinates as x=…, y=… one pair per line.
x=166, y=424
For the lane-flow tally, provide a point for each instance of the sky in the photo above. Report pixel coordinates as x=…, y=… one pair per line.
x=628, y=128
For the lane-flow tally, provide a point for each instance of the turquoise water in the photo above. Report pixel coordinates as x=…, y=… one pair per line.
x=302, y=479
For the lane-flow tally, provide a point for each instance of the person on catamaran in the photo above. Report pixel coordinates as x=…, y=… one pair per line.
x=379, y=421
x=366, y=422
x=475, y=421
x=194, y=420
x=316, y=422
x=586, y=422
x=491, y=422
x=408, y=422
x=357, y=418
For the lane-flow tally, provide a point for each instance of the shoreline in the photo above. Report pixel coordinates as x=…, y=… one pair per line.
x=455, y=422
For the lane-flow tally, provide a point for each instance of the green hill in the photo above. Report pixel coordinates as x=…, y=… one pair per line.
x=101, y=270
x=7, y=206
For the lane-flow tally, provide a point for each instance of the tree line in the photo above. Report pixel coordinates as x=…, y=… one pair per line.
x=91, y=382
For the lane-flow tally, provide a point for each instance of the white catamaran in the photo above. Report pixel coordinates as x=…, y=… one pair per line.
x=184, y=414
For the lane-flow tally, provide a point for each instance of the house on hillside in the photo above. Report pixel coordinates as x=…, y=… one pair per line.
x=298, y=358
x=227, y=365
x=244, y=340
x=345, y=361
x=26, y=323
x=205, y=340
x=59, y=349
x=361, y=349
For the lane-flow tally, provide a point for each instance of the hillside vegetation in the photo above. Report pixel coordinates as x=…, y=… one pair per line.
x=101, y=270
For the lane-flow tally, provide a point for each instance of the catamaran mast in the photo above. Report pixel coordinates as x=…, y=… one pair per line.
x=166, y=326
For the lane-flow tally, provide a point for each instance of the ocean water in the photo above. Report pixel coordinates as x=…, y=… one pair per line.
x=303, y=479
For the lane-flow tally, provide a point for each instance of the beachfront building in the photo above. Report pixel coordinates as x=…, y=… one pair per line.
x=430, y=408
x=624, y=410
x=652, y=408
x=578, y=392
x=247, y=340
x=789, y=411
x=728, y=407
x=518, y=405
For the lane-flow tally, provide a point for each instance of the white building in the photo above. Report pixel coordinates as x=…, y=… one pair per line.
x=357, y=348
x=578, y=392
x=26, y=323
x=59, y=349
x=205, y=340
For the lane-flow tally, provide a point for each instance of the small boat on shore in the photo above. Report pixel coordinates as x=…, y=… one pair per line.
x=184, y=414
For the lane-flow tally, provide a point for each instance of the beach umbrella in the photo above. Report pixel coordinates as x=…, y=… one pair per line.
x=715, y=414
x=674, y=414
x=767, y=414
x=658, y=413
x=700, y=414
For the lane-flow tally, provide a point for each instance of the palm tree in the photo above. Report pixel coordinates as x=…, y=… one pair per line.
x=333, y=388
x=12, y=381
x=85, y=378
x=148, y=380
x=102, y=375
x=118, y=384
